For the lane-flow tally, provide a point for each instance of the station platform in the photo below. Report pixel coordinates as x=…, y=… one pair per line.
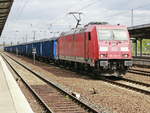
x=12, y=99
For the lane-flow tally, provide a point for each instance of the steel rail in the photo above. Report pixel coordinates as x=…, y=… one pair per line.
x=48, y=110
x=90, y=108
x=139, y=72
x=135, y=82
x=126, y=86
x=112, y=82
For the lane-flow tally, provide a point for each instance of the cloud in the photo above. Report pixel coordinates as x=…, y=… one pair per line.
x=52, y=16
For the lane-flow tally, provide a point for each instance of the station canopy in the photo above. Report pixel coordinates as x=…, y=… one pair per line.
x=5, y=6
x=140, y=31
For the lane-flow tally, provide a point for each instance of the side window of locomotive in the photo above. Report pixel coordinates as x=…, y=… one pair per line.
x=89, y=35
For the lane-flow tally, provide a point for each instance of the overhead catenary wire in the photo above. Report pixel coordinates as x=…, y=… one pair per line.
x=80, y=9
x=88, y=5
x=77, y=6
x=23, y=7
x=127, y=11
x=142, y=6
x=19, y=10
x=70, y=8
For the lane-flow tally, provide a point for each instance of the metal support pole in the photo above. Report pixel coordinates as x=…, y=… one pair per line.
x=141, y=46
x=17, y=51
x=34, y=58
x=34, y=53
x=3, y=43
x=132, y=18
x=26, y=38
x=34, y=35
x=136, y=49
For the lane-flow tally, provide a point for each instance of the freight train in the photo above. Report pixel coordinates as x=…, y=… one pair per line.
x=104, y=49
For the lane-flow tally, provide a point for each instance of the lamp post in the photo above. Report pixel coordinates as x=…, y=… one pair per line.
x=34, y=35
x=16, y=36
x=132, y=17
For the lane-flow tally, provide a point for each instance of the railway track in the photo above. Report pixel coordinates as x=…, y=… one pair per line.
x=129, y=84
x=53, y=97
x=136, y=82
x=139, y=72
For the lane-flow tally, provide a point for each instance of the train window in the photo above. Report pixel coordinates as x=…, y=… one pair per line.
x=120, y=34
x=112, y=34
x=89, y=35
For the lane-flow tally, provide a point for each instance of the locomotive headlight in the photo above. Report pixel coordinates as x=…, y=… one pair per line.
x=124, y=49
x=125, y=55
x=103, y=48
x=103, y=55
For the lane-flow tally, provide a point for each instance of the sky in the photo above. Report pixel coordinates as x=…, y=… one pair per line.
x=47, y=18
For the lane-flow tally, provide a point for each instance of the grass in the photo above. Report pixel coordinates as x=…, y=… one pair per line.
x=145, y=48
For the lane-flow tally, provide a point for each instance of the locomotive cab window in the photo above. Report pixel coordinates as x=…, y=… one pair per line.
x=113, y=34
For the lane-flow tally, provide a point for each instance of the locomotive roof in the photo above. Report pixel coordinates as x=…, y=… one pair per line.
x=89, y=28
x=73, y=31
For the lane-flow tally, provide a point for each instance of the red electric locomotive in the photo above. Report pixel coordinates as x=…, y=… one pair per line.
x=104, y=48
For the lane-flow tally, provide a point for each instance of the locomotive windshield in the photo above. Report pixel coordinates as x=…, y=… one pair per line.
x=112, y=34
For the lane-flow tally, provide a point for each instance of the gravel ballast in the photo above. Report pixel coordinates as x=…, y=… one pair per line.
x=114, y=98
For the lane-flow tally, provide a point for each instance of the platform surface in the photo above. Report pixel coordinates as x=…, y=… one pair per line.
x=12, y=99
